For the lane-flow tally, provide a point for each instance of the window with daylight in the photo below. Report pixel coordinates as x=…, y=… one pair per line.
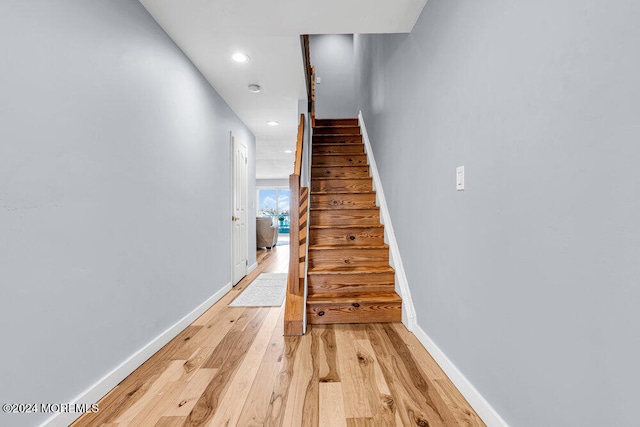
x=275, y=203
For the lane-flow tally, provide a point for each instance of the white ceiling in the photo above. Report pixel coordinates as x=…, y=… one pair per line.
x=210, y=31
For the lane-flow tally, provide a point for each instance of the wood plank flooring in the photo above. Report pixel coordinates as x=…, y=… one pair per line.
x=234, y=367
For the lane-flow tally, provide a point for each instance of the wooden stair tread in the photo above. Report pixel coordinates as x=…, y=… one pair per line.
x=342, y=135
x=339, y=166
x=351, y=270
x=351, y=209
x=338, y=154
x=343, y=121
x=342, y=192
x=344, y=226
x=339, y=144
x=349, y=247
x=325, y=178
x=335, y=298
x=335, y=126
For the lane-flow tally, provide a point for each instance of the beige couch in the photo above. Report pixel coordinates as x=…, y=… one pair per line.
x=266, y=232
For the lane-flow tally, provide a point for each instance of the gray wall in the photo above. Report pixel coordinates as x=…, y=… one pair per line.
x=114, y=192
x=529, y=279
x=272, y=183
x=333, y=58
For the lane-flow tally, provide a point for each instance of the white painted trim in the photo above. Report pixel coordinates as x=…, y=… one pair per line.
x=473, y=396
x=113, y=378
x=402, y=285
x=252, y=267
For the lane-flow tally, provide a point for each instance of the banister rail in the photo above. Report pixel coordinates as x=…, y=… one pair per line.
x=295, y=305
x=310, y=77
x=297, y=168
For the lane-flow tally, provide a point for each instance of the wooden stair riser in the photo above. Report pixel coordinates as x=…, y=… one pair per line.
x=338, y=149
x=343, y=201
x=348, y=257
x=339, y=160
x=357, y=282
x=365, y=312
x=336, y=130
x=345, y=217
x=336, y=139
x=336, y=122
x=352, y=185
x=347, y=236
x=339, y=172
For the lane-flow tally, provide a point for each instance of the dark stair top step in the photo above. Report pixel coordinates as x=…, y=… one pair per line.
x=350, y=121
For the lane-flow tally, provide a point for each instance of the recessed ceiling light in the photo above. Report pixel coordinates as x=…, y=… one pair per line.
x=240, y=57
x=288, y=151
x=254, y=88
x=272, y=123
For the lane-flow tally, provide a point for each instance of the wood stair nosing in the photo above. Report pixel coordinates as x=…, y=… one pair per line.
x=355, y=297
x=351, y=270
x=317, y=289
x=365, y=194
x=344, y=226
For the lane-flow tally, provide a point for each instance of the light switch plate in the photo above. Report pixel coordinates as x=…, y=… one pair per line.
x=460, y=178
x=318, y=80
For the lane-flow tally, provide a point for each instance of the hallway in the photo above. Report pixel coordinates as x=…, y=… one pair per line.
x=233, y=367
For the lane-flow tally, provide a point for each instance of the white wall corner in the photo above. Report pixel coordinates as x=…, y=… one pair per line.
x=484, y=410
x=98, y=390
x=402, y=285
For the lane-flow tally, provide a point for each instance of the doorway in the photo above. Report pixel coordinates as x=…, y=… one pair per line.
x=239, y=241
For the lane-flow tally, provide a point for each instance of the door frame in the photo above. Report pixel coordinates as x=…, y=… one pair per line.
x=232, y=209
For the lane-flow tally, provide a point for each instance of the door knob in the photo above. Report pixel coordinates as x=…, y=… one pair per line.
x=235, y=218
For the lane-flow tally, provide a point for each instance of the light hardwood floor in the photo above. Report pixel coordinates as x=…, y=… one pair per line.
x=234, y=367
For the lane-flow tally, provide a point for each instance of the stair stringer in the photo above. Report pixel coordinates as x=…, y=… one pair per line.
x=395, y=260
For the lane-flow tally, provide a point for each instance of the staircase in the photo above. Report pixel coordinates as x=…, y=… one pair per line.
x=349, y=277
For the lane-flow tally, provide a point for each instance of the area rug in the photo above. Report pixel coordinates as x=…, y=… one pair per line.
x=267, y=290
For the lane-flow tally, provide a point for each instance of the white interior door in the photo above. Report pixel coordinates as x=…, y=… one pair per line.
x=239, y=238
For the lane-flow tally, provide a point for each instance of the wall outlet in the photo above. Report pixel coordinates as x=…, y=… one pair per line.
x=318, y=80
x=460, y=178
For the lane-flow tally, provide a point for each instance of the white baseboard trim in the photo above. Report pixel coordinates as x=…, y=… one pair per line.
x=113, y=378
x=402, y=285
x=252, y=267
x=473, y=396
